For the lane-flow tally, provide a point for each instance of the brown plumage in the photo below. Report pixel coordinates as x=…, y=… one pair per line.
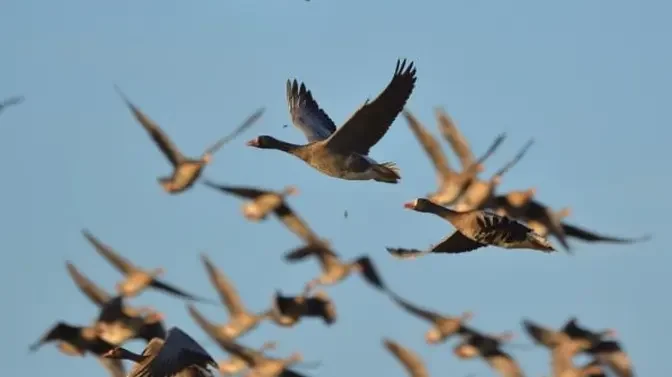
x=411, y=361
x=488, y=347
x=288, y=310
x=475, y=229
x=116, y=326
x=343, y=152
x=185, y=170
x=236, y=364
x=73, y=340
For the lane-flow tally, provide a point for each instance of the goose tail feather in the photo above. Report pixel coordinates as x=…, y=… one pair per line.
x=387, y=172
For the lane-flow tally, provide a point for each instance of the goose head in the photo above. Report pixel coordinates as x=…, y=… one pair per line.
x=265, y=142
x=420, y=205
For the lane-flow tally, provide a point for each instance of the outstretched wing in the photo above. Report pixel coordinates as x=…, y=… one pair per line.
x=306, y=114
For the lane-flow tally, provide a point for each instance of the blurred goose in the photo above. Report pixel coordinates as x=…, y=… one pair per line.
x=333, y=269
x=259, y=364
x=443, y=326
x=411, y=361
x=451, y=184
x=288, y=310
x=279, y=207
x=178, y=355
x=115, y=326
x=551, y=222
x=541, y=226
x=78, y=341
x=344, y=153
x=96, y=294
x=185, y=170
x=236, y=364
x=137, y=280
x=480, y=192
x=241, y=321
x=488, y=347
x=607, y=352
x=475, y=229
x=11, y=101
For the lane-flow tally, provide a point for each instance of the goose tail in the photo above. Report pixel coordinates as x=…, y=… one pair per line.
x=538, y=242
x=387, y=172
x=402, y=253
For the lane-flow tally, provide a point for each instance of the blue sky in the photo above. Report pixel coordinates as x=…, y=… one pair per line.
x=589, y=80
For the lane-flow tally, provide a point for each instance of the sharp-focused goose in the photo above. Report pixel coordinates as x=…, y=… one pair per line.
x=585, y=235
x=282, y=210
x=241, y=321
x=488, y=347
x=451, y=184
x=288, y=310
x=344, y=153
x=475, y=229
x=115, y=326
x=480, y=193
x=443, y=326
x=259, y=364
x=236, y=364
x=136, y=279
x=178, y=355
x=185, y=170
x=333, y=269
x=11, y=101
x=411, y=361
x=262, y=202
x=73, y=340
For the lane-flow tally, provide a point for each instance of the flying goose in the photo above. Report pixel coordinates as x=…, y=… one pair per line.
x=513, y=203
x=115, y=326
x=282, y=210
x=136, y=279
x=236, y=364
x=451, y=184
x=178, y=355
x=11, y=101
x=443, y=326
x=333, y=269
x=473, y=230
x=540, y=213
x=411, y=361
x=241, y=321
x=288, y=310
x=481, y=192
x=259, y=364
x=488, y=347
x=186, y=170
x=261, y=202
x=344, y=153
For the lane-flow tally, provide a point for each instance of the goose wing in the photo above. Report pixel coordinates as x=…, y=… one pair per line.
x=430, y=145
x=545, y=215
x=590, y=236
x=453, y=244
x=610, y=354
x=493, y=147
x=515, y=159
x=168, y=288
x=492, y=229
x=11, y=101
x=243, y=192
x=455, y=138
x=423, y=313
x=120, y=263
x=240, y=129
x=306, y=114
x=370, y=123
x=208, y=327
x=410, y=360
x=327, y=257
x=96, y=294
x=59, y=331
x=227, y=292
x=540, y=334
x=321, y=307
x=160, y=138
x=295, y=223
x=112, y=310
x=370, y=273
x=178, y=353
x=114, y=366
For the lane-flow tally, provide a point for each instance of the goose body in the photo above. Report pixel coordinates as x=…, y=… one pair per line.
x=343, y=153
x=288, y=310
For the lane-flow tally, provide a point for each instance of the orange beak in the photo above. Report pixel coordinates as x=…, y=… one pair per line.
x=409, y=205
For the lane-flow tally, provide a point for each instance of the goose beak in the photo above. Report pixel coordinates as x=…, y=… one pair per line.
x=252, y=143
x=409, y=205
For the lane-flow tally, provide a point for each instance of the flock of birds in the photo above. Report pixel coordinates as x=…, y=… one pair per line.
x=481, y=217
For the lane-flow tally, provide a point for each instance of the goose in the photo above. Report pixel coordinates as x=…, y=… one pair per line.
x=282, y=211
x=96, y=294
x=137, y=279
x=115, y=326
x=481, y=192
x=541, y=226
x=259, y=364
x=262, y=202
x=178, y=355
x=451, y=184
x=410, y=360
x=241, y=321
x=475, y=229
x=11, y=101
x=288, y=310
x=562, y=348
x=344, y=153
x=543, y=214
x=513, y=203
x=443, y=326
x=488, y=347
x=236, y=364
x=186, y=170
x=333, y=269
x=77, y=341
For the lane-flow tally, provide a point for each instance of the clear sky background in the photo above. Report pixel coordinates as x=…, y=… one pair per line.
x=589, y=80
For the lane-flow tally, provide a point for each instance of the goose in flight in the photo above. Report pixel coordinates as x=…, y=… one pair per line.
x=186, y=170
x=136, y=279
x=178, y=355
x=489, y=348
x=11, y=101
x=116, y=326
x=475, y=229
x=288, y=310
x=344, y=153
